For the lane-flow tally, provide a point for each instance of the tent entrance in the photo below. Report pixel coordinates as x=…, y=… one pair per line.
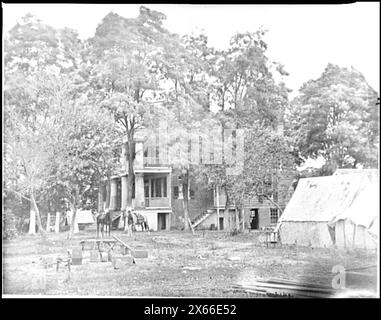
x=254, y=219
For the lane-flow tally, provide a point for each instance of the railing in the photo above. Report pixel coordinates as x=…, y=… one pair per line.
x=157, y=202
x=153, y=162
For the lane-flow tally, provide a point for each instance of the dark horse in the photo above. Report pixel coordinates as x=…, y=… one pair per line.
x=104, y=219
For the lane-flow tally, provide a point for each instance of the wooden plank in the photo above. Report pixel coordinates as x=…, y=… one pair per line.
x=284, y=292
x=300, y=283
x=122, y=242
x=294, y=282
x=289, y=286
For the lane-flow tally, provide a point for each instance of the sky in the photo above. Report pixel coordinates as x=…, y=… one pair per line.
x=303, y=38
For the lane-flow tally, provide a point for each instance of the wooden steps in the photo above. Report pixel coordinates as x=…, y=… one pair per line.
x=200, y=218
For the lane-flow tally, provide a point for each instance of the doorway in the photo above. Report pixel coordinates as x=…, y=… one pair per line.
x=162, y=221
x=221, y=223
x=254, y=219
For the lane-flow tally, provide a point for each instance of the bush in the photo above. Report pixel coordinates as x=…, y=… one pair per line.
x=9, y=225
x=234, y=232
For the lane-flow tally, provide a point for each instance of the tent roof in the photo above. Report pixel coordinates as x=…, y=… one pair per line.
x=321, y=199
x=364, y=208
x=83, y=216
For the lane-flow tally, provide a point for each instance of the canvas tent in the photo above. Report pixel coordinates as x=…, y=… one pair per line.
x=83, y=217
x=341, y=210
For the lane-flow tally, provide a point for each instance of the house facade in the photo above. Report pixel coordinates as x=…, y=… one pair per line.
x=157, y=194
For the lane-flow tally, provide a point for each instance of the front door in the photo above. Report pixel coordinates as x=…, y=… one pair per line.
x=221, y=223
x=161, y=221
x=254, y=219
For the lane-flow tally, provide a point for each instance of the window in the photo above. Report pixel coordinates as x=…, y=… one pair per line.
x=273, y=215
x=146, y=189
x=176, y=192
x=158, y=187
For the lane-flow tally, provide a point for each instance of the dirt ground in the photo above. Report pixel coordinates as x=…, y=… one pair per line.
x=179, y=264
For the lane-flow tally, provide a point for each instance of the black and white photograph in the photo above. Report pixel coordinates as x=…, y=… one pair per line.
x=190, y=151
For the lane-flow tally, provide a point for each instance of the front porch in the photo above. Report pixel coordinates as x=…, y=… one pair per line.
x=151, y=190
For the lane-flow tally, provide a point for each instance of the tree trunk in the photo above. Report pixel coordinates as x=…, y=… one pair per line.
x=57, y=224
x=130, y=176
x=48, y=222
x=236, y=211
x=73, y=224
x=186, y=196
x=242, y=218
x=38, y=216
x=32, y=221
x=108, y=192
x=275, y=204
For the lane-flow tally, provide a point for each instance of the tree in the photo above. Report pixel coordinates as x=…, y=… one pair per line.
x=244, y=83
x=26, y=163
x=59, y=143
x=249, y=99
x=336, y=117
x=35, y=56
x=262, y=158
x=123, y=57
x=141, y=73
x=84, y=151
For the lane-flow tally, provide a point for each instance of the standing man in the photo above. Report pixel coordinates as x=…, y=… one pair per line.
x=130, y=222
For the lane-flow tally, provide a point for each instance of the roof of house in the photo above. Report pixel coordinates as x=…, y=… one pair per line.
x=324, y=199
x=356, y=171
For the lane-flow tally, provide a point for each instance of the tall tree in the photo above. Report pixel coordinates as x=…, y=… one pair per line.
x=141, y=72
x=83, y=144
x=336, y=117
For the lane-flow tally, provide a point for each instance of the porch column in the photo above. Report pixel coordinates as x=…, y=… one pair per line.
x=169, y=189
x=113, y=194
x=162, y=187
x=139, y=190
x=124, y=192
x=138, y=163
x=218, y=206
x=100, y=198
x=149, y=191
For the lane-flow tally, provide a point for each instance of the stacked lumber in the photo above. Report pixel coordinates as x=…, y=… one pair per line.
x=285, y=288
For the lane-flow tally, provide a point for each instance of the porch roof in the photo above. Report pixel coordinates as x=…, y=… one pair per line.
x=154, y=170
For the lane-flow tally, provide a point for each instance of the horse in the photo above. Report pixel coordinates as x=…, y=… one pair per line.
x=141, y=220
x=104, y=219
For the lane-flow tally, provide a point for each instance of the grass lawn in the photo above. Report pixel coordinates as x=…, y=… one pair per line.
x=179, y=264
